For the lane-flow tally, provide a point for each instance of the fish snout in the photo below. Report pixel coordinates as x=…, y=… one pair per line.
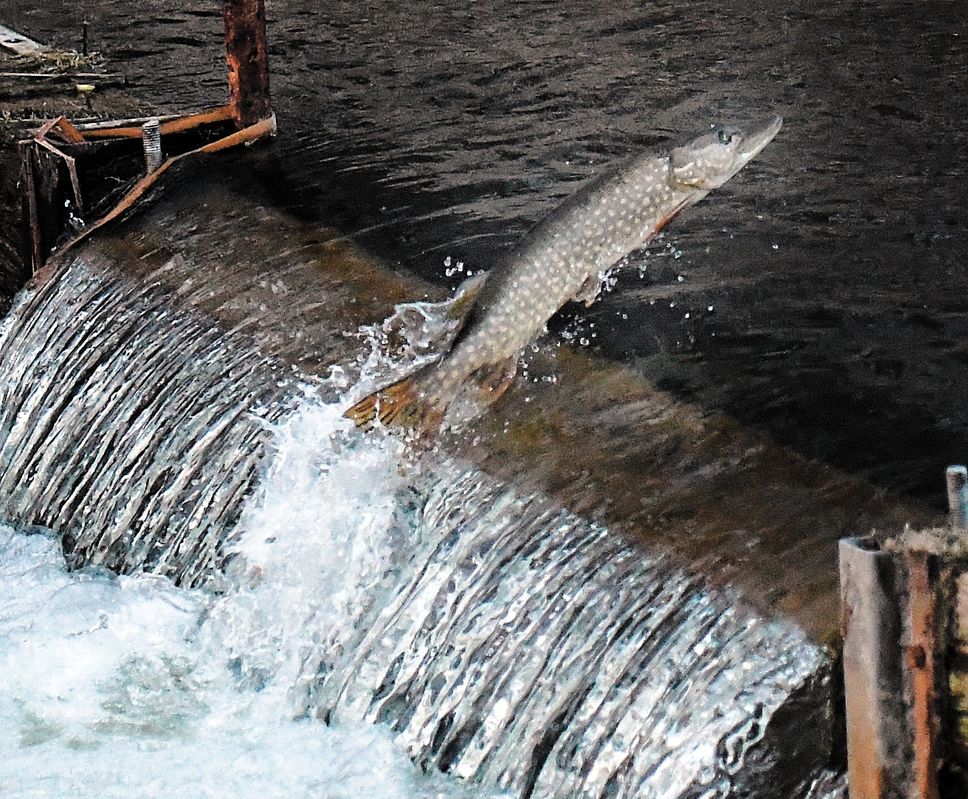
x=709, y=160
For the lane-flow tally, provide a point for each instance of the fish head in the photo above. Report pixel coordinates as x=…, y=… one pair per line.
x=711, y=159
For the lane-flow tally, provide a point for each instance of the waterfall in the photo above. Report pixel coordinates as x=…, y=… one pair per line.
x=499, y=638
x=132, y=430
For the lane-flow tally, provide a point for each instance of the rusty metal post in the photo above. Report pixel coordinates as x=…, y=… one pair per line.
x=957, y=480
x=925, y=629
x=958, y=675
x=877, y=745
x=245, y=50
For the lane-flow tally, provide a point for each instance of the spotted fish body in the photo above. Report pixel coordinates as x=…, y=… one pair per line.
x=565, y=257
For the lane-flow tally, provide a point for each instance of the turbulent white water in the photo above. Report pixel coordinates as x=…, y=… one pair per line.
x=130, y=687
x=358, y=597
x=427, y=613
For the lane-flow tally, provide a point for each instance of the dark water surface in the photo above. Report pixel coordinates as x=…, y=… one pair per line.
x=821, y=296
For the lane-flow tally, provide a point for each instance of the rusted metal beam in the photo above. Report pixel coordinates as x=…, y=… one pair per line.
x=35, y=253
x=132, y=128
x=246, y=52
x=925, y=634
x=71, y=164
x=247, y=135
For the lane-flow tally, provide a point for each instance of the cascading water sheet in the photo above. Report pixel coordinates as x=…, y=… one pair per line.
x=491, y=634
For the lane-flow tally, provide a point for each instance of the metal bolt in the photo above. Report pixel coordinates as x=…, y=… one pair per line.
x=151, y=139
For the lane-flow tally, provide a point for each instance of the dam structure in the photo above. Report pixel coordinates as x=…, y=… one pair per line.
x=172, y=399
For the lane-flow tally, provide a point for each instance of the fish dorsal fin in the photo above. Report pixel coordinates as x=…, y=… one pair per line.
x=466, y=295
x=464, y=306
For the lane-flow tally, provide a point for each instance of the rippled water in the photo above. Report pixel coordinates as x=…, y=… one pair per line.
x=824, y=287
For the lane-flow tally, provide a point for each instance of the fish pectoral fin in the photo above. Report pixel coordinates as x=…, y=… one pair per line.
x=589, y=290
x=496, y=379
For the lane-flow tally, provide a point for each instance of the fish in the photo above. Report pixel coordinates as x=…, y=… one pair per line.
x=565, y=257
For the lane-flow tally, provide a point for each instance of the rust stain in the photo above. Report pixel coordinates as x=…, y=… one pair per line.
x=921, y=657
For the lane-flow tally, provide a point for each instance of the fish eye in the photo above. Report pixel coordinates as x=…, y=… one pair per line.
x=724, y=137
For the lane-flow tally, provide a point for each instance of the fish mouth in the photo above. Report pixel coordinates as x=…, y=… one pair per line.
x=756, y=138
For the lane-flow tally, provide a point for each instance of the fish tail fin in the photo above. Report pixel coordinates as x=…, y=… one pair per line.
x=404, y=403
x=419, y=402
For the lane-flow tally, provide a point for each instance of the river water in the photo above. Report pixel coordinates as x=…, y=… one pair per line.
x=819, y=297
x=824, y=286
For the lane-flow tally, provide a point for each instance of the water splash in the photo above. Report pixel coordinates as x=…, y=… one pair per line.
x=491, y=634
x=129, y=686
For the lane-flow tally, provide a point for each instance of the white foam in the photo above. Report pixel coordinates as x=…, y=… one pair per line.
x=131, y=687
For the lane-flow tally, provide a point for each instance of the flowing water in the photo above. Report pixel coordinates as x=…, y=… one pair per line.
x=820, y=296
x=489, y=634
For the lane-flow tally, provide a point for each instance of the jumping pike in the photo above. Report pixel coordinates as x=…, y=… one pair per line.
x=565, y=257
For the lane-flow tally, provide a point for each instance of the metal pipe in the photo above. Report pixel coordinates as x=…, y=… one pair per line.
x=151, y=139
x=957, y=480
x=877, y=726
